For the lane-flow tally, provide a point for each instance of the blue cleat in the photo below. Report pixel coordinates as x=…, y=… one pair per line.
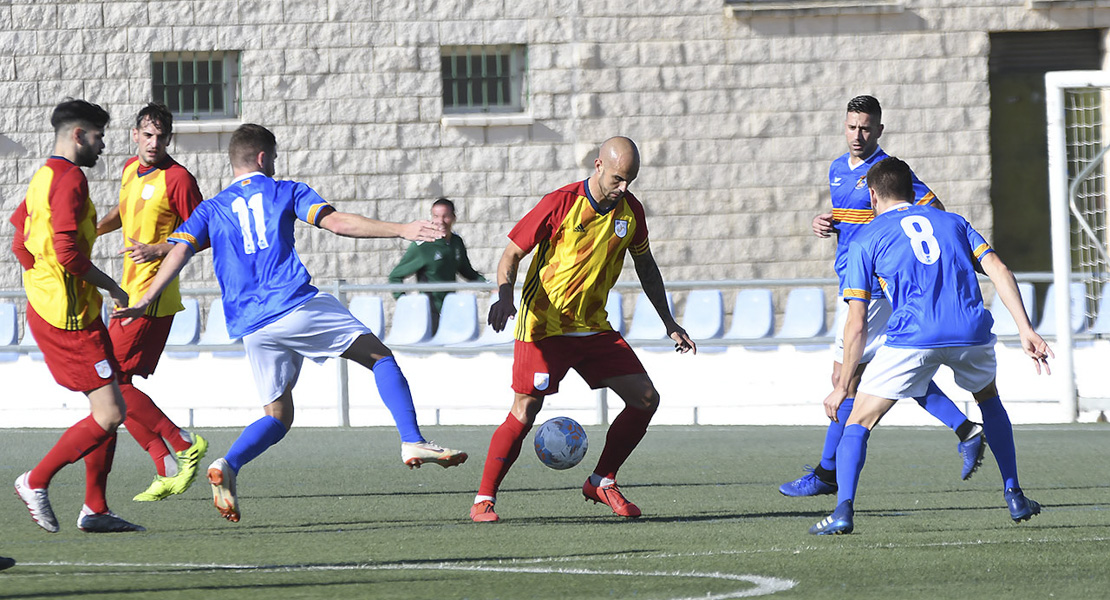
x=972, y=452
x=1021, y=508
x=807, y=485
x=840, y=521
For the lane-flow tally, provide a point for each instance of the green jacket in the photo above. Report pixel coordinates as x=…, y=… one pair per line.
x=435, y=262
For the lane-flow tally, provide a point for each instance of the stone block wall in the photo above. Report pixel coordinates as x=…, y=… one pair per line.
x=737, y=110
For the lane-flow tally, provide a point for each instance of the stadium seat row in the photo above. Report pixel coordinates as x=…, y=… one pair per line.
x=753, y=318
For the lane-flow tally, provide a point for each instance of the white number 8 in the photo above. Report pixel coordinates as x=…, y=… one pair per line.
x=920, y=231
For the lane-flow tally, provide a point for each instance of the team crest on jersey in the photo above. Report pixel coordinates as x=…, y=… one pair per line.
x=438, y=257
x=620, y=227
x=862, y=183
x=148, y=192
x=541, y=380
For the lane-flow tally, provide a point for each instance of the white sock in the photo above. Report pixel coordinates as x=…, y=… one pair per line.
x=481, y=498
x=171, y=465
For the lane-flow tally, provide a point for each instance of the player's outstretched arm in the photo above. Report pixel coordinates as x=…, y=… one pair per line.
x=110, y=222
x=173, y=263
x=1006, y=286
x=358, y=226
x=652, y=282
x=501, y=311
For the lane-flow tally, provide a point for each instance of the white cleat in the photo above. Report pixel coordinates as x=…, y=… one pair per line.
x=415, y=454
x=222, y=479
x=37, y=502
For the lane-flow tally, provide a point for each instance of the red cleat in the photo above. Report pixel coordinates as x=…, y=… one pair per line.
x=482, y=512
x=610, y=496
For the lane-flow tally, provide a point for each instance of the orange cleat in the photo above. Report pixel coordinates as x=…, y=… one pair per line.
x=222, y=479
x=482, y=512
x=610, y=496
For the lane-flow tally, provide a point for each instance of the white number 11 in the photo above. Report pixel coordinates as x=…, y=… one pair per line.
x=254, y=206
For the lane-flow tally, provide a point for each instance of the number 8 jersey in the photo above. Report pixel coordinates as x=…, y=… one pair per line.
x=250, y=228
x=926, y=262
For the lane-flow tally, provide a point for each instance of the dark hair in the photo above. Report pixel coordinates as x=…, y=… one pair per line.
x=445, y=202
x=247, y=141
x=891, y=178
x=158, y=115
x=868, y=105
x=73, y=111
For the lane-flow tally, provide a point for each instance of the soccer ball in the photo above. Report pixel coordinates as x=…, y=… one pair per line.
x=561, y=443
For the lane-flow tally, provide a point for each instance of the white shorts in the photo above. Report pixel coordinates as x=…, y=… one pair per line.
x=878, y=313
x=897, y=373
x=319, y=329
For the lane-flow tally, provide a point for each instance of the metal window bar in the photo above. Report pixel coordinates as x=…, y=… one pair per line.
x=478, y=79
x=195, y=85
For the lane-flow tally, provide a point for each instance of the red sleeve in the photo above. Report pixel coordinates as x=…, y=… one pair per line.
x=67, y=199
x=542, y=220
x=639, y=243
x=19, y=247
x=184, y=193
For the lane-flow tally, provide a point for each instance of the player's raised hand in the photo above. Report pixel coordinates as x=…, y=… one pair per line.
x=500, y=312
x=1036, y=348
x=422, y=231
x=823, y=225
x=140, y=252
x=682, y=341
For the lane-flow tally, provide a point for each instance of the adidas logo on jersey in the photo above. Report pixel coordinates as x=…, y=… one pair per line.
x=579, y=229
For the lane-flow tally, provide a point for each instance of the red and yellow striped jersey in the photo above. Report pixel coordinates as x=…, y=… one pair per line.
x=58, y=201
x=579, y=255
x=153, y=202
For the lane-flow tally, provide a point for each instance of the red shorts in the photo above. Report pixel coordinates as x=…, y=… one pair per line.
x=80, y=360
x=139, y=345
x=539, y=366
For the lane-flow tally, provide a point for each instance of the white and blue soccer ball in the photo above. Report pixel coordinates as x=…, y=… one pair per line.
x=561, y=443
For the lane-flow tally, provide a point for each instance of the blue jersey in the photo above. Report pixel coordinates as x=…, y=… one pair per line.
x=926, y=260
x=852, y=204
x=250, y=228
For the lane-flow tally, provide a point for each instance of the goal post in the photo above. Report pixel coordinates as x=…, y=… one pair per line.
x=1078, y=164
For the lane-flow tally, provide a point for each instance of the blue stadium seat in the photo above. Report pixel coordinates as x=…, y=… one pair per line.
x=458, y=320
x=614, y=308
x=185, y=329
x=704, y=316
x=369, y=310
x=412, y=321
x=1004, y=323
x=497, y=340
x=215, y=331
x=804, y=315
x=9, y=330
x=1047, y=325
x=753, y=315
x=28, y=340
x=646, y=324
x=1101, y=326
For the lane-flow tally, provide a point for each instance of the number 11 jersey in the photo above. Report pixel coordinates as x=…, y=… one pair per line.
x=250, y=228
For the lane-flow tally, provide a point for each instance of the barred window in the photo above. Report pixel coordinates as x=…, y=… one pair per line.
x=479, y=79
x=197, y=85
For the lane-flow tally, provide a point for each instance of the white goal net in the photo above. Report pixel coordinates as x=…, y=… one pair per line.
x=1078, y=105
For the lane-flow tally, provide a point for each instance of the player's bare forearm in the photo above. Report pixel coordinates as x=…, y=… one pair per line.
x=110, y=222
x=101, y=280
x=169, y=269
x=358, y=226
x=855, y=340
x=1006, y=286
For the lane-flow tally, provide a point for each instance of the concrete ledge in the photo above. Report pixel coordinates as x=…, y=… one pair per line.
x=792, y=8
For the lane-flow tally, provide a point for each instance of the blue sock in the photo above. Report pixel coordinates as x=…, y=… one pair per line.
x=832, y=435
x=394, y=390
x=941, y=406
x=851, y=455
x=254, y=440
x=1000, y=438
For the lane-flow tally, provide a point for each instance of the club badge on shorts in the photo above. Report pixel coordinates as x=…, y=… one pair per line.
x=620, y=227
x=541, y=380
x=103, y=369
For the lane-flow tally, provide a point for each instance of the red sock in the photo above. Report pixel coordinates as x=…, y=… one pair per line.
x=504, y=448
x=75, y=443
x=98, y=464
x=142, y=409
x=624, y=435
x=150, y=441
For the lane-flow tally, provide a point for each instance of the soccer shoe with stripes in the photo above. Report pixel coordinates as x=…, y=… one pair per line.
x=971, y=452
x=807, y=485
x=160, y=488
x=222, y=479
x=188, y=463
x=107, y=522
x=1021, y=508
x=840, y=521
x=482, y=512
x=37, y=502
x=6, y=563
x=611, y=496
x=415, y=454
